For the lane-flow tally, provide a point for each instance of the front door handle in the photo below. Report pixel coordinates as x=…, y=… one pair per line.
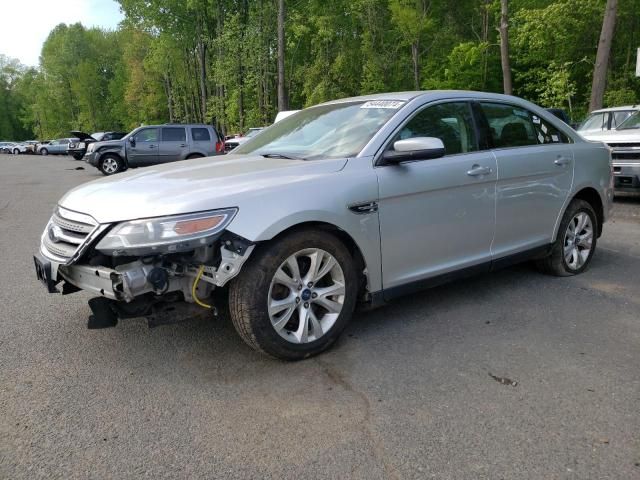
x=182, y=145
x=561, y=161
x=152, y=146
x=477, y=170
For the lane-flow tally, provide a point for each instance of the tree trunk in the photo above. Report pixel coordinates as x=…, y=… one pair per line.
x=602, y=57
x=167, y=88
x=416, y=65
x=283, y=103
x=202, y=58
x=504, y=47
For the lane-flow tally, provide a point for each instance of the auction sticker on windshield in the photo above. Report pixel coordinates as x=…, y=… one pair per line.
x=393, y=104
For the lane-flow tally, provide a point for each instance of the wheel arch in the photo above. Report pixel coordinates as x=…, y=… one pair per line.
x=592, y=197
x=345, y=238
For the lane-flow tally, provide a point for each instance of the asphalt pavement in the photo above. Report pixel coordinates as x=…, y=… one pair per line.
x=513, y=375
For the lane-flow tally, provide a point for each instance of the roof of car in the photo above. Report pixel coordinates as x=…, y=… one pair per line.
x=617, y=109
x=435, y=94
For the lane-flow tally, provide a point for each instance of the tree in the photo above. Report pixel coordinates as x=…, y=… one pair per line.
x=602, y=57
x=504, y=47
x=283, y=104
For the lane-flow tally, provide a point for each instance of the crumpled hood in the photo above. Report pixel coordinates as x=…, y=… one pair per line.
x=192, y=186
x=631, y=135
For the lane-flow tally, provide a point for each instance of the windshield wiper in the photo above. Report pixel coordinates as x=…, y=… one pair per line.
x=280, y=155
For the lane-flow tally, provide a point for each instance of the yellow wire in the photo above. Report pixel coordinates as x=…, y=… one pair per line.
x=195, y=285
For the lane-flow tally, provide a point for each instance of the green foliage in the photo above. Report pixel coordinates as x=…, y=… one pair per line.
x=215, y=60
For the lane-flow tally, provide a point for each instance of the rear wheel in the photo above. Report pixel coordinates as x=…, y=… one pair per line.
x=16, y=151
x=44, y=151
x=295, y=296
x=576, y=242
x=77, y=156
x=111, y=164
x=194, y=155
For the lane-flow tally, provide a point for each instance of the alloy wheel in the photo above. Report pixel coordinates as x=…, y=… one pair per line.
x=306, y=295
x=109, y=165
x=578, y=241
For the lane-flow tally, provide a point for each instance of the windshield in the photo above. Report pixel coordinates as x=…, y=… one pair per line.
x=337, y=130
x=632, y=122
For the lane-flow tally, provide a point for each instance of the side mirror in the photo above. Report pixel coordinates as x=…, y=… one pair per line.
x=416, y=148
x=132, y=141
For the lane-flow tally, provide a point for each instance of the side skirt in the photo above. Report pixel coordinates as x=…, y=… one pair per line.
x=381, y=297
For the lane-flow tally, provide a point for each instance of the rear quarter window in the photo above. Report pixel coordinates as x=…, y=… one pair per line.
x=200, y=135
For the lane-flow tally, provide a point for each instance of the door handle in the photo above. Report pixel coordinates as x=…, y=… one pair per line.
x=183, y=145
x=152, y=146
x=477, y=170
x=561, y=161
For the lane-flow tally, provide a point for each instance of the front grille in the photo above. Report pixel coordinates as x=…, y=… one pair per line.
x=66, y=233
x=624, y=145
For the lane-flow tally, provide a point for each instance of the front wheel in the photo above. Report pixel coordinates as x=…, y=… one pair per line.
x=78, y=156
x=576, y=241
x=16, y=151
x=111, y=164
x=44, y=151
x=295, y=296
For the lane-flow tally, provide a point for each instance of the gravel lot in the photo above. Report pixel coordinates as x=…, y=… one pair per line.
x=406, y=393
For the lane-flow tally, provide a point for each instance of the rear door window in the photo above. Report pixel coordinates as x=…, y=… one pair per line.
x=509, y=126
x=200, y=135
x=173, y=134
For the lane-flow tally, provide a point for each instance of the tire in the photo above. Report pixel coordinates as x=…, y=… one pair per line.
x=579, y=247
x=111, y=164
x=16, y=151
x=194, y=155
x=44, y=151
x=280, y=334
x=77, y=156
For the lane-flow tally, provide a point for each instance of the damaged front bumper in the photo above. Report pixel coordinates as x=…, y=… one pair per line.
x=129, y=281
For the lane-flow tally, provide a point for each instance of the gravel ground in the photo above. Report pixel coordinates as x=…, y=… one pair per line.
x=408, y=392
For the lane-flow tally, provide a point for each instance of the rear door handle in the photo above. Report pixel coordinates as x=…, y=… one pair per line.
x=152, y=146
x=477, y=170
x=561, y=161
x=183, y=145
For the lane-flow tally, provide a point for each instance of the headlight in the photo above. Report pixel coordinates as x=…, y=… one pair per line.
x=178, y=233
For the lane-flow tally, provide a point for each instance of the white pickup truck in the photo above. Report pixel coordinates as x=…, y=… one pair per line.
x=624, y=141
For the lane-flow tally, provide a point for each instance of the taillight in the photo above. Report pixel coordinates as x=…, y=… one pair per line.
x=219, y=146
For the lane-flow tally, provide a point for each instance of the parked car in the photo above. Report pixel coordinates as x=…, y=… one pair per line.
x=13, y=147
x=55, y=147
x=358, y=200
x=233, y=142
x=606, y=119
x=153, y=144
x=625, y=152
x=78, y=149
x=31, y=145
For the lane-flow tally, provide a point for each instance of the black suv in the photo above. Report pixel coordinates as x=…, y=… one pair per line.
x=78, y=149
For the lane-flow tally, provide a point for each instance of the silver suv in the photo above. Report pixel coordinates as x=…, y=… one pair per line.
x=153, y=144
x=355, y=201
